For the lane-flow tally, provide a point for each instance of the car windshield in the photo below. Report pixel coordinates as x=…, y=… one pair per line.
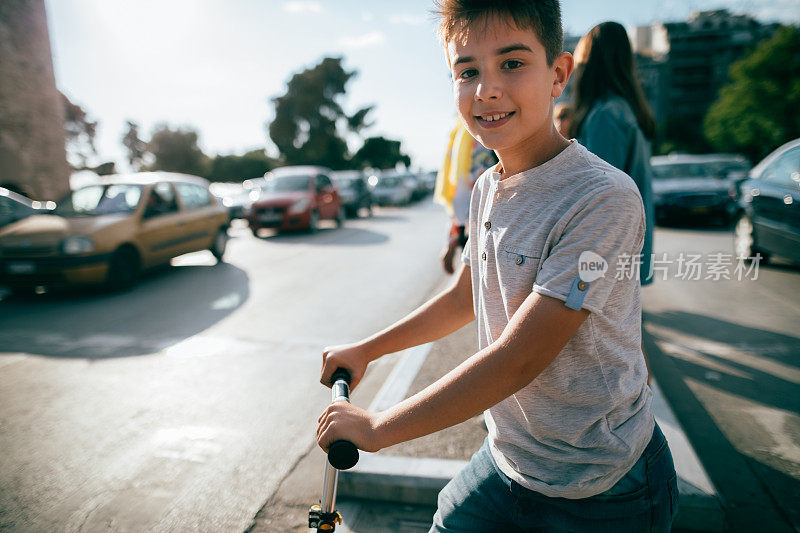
x=723, y=168
x=97, y=200
x=286, y=183
x=347, y=183
x=390, y=181
x=679, y=170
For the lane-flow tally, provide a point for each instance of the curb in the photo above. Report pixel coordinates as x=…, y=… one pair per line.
x=417, y=481
x=400, y=480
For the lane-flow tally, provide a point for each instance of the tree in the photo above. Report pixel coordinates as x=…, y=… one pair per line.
x=240, y=167
x=380, y=153
x=757, y=110
x=136, y=147
x=80, y=133
x=309, y=117
x=177, y=151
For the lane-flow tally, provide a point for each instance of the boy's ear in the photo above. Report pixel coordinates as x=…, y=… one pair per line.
x=562, y=68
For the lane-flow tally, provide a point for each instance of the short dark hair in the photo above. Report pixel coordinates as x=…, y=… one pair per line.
x=543, y=17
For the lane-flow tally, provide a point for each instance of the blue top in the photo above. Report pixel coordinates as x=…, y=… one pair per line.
x=612, y=132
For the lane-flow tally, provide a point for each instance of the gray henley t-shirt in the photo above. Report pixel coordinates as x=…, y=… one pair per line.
x=577, y=428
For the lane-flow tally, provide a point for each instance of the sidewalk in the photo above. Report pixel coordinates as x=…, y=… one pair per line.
x=395, y=489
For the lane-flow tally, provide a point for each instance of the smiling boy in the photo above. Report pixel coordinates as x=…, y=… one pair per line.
x=560, y=375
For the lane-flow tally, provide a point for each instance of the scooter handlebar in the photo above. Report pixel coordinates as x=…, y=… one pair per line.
x=342, y=454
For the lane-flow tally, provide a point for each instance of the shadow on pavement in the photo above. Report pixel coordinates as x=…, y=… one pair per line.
x=783, y=266
x=168, y=306
x=391, y=216
x=345, y=236
x=699, y=224
x=749, y=487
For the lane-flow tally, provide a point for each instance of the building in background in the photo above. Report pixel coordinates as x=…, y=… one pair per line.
x=33, y=158
x=683, y=65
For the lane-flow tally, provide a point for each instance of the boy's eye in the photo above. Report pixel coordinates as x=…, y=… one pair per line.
x=467, y=73
x=512, y=64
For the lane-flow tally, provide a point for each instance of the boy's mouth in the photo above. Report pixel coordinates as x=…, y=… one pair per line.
x=493, y=120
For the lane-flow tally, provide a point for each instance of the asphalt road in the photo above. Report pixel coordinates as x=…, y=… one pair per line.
x=726, y=353
x=181, y=404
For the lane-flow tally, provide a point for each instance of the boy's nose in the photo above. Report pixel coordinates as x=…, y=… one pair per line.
x=487, y=90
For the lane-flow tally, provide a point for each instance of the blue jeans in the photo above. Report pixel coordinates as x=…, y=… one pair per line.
x=482, y=498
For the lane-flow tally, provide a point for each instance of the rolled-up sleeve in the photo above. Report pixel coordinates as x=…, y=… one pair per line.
x=601, y=235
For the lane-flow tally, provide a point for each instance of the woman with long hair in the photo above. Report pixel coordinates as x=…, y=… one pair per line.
x=611, y=116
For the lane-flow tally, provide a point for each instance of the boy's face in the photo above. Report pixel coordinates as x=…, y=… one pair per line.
x=503, y=85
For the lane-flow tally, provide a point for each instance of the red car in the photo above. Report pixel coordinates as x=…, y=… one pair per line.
x=293, y=198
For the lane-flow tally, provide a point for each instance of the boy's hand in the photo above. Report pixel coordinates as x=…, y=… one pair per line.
x=352, y=357
x=344, y=421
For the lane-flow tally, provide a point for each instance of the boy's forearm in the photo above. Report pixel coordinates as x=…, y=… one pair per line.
x=486, y=378
x=436, y=318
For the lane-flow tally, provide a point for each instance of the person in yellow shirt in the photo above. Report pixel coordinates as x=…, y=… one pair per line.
x=464, y=160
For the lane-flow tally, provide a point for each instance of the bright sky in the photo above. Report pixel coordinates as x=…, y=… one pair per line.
x=214, y=65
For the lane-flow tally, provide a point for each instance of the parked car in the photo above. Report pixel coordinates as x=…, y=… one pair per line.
x=768, y=219
x=428, y=179
x=691, y=186
x=354, y=191
x=108, y=232
x=15, y=207
x=420, y=189
x=392, y=188
x=296, y=198
x=233, y=196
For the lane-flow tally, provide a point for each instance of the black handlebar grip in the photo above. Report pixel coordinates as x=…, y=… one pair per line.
x=340, y=373
x=342, y=455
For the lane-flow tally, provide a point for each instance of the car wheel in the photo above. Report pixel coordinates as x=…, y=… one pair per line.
x=24, y=291
x=220, y=244
x=123, y=269
x=340, y=216
x=744, y=239
x=313, y=222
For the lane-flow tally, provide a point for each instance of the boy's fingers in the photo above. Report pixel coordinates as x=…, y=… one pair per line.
x=323, y=415
x=322, y=434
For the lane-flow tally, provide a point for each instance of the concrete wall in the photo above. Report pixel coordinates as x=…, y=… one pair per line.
x=32, y=155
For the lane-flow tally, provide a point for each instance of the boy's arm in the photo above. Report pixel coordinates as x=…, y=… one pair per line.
x=533, y=338
x=439, y=316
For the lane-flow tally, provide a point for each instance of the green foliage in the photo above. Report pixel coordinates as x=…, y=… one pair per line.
x=757, y=111
x=136, y=147
x=80, y=133
x=105, y=169
x=380, y=153
x=304, y=128
x=177, y=151
x=309, y=119
x=238, y=168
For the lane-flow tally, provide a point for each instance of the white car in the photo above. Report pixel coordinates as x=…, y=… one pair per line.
x=392, y=189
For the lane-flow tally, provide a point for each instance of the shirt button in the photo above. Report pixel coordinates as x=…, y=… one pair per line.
x=488, y=225
x=582, y=285
x=483, y=256
x=519, y=260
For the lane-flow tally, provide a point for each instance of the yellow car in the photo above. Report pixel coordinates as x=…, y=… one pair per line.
x=107, y=233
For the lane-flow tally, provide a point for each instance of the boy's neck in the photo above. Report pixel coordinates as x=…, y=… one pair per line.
x=530, y=153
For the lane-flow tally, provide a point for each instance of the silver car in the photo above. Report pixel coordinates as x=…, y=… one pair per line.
x=392, y=189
